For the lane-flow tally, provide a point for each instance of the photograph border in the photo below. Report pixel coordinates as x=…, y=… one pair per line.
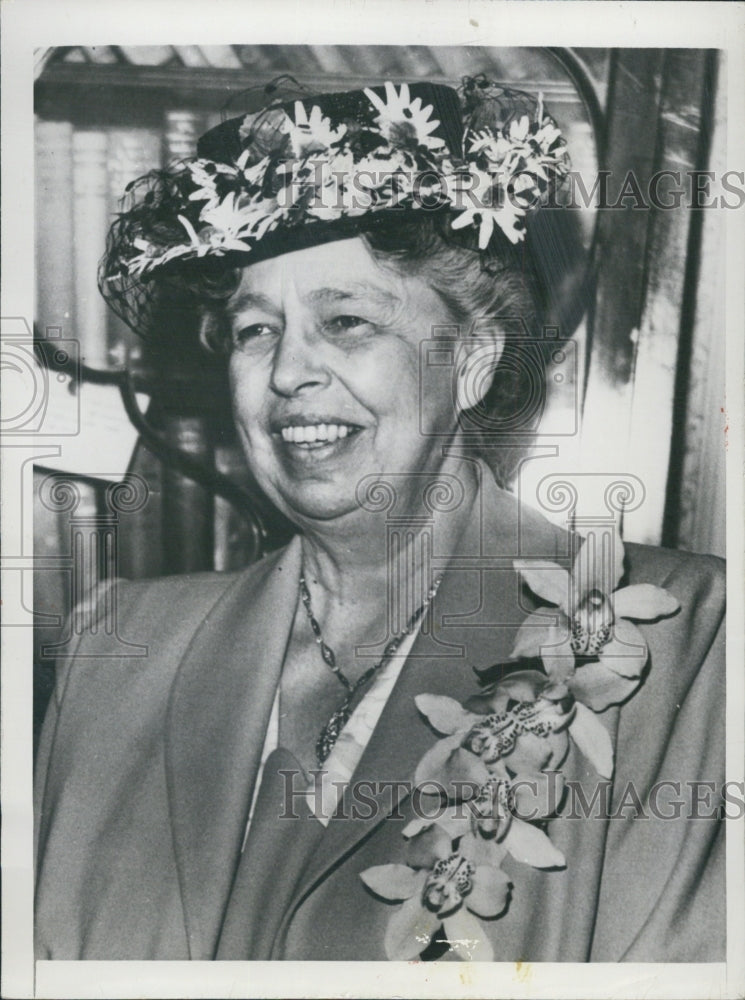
x=29, y=26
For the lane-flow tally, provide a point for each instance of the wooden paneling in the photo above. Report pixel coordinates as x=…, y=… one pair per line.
x=695, y=516
x=646, y=261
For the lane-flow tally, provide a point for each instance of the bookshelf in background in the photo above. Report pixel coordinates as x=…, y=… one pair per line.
x=187, y=507
x=83, y=168
x=132, y=152
x=91, y=216
x=54, y=226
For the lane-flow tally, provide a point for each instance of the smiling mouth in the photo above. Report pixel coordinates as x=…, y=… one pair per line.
x=313, y=436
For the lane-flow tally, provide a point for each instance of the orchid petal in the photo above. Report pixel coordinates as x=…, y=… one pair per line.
x=415, y=826
x=598, y=565
x=481, y=852
x=467, y=937
x=627, y=652
x=444, y=714
x=534, y=632
x=393, y=882
x=546, y=579
x=537, y=796
x=427, y=847
x=490, y=891
x=533, y=753
x=451, y=767
x=522, y=685
x=452, y=821
x=644, y=602
x=598, y=687
x=557, y=654
x=530, y=845
x=455, y=821
x=410, y=930
x=435, y=759
x=593, y=739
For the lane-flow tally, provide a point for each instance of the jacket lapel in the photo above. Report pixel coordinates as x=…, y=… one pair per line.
x=283, y=835
x=478, y=609
x=218, y=715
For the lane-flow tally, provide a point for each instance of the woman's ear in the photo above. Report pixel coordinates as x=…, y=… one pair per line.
x=477, y=356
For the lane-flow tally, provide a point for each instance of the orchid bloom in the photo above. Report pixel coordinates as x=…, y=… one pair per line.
x=442, y=885
x=499, y=756
x=523, y=723
x=592, y=621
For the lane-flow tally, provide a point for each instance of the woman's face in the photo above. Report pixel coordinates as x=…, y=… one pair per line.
x=326, y=379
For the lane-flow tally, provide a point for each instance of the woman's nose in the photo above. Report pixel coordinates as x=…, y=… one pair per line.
x=297, y=364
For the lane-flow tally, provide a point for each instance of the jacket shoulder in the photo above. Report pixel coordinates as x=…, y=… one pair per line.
x=698, y=581
x=147, y=624
x=176, y=603
x=689, y=643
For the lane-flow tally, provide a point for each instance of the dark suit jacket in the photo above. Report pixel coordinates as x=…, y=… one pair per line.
x=147, y=766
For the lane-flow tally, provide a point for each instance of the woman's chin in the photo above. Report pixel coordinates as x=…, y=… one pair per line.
x=305, y=506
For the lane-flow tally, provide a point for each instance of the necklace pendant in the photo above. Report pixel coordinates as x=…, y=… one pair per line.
x=331, y=732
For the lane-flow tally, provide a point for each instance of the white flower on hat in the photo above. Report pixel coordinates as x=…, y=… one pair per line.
x=204, y=175
x=494, y=148
x=404, y=122
x=311, y=133
x=334, y=193
x=253, y=173
x=227, y=225
x=506, y=217
x=486, y=209
x=232, y=219
x=526, y=147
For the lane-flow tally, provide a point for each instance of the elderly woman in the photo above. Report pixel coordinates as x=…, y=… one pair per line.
x=429, y=726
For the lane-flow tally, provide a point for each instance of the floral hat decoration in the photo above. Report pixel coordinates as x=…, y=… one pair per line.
x=304, y=172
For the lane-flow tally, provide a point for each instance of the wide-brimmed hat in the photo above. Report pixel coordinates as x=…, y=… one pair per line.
x=308, y=171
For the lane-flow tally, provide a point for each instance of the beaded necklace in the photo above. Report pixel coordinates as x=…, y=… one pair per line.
x=332, y=730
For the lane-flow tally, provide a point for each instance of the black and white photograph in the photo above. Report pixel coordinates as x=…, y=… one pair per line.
x=372, y=477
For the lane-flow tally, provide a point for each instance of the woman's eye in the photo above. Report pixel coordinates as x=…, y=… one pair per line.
x=344, y=323
x=251, y=332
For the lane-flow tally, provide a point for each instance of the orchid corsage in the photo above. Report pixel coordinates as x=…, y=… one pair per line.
x=497, y=763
